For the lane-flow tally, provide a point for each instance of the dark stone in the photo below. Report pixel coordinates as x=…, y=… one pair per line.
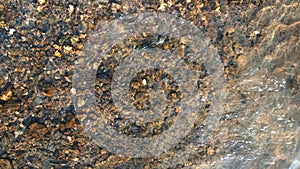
x=29, y=120
x=220, y=34
x=152, y=4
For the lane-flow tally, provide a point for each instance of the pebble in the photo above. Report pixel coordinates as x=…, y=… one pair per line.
x=242, y=60
x=1, y=7
x=6, y=95
x=39, y=8
x=18, y=133
x=75, y=159
x=42, y=2
x=69, y=138
x=81, y=102
x=58, y=54
x=162, y=7
x=144, y=82
x=11, y=31
x=68, y=48
x=73, y=90
x=71, y=8
x=38, y=100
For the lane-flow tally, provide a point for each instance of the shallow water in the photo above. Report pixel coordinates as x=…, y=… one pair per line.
x=247, y=87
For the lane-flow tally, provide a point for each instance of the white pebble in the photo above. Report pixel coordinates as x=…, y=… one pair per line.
x=11, y=31
x=71, y=8
x=76, y=159
x=144, y=82
x=42, y=2
x=23, y=38
x=69, y=138
x=73, y=90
